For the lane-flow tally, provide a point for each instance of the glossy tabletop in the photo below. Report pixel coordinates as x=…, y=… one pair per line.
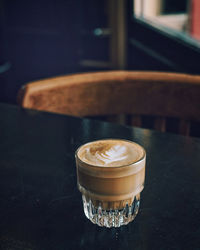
x=41, y=208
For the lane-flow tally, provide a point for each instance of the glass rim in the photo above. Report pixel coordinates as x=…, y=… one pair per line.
x=115, y=167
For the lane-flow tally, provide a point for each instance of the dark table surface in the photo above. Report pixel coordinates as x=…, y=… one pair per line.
x=41, y=208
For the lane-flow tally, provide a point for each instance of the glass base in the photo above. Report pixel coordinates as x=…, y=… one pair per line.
x=112, y=217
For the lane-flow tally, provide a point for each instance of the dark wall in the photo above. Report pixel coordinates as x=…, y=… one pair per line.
x=94, y=18
x=39, y=39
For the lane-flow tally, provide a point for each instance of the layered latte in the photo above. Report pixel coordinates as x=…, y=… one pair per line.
x=110, y=173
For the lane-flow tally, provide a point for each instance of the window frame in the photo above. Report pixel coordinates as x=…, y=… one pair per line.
x=177, y=52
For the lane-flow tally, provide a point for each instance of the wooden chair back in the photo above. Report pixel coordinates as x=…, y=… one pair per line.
x=130, y=93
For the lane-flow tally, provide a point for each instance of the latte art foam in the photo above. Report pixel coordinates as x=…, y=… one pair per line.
x=110, y=153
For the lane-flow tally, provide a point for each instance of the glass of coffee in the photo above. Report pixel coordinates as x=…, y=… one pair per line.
x=110, y=176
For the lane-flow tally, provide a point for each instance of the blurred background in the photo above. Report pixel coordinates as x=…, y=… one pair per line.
x=44, y=38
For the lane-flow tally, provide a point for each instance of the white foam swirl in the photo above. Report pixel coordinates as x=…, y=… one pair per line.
x=115, y=154
x=110, y=153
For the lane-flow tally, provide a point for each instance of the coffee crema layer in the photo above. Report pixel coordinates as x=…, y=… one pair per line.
x=110, y=153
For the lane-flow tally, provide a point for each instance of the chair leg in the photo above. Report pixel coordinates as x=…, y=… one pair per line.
x=184, y=127
x=160, y=124
x=136, y=120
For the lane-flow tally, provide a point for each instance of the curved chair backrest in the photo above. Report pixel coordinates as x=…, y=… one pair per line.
x=118, y=92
